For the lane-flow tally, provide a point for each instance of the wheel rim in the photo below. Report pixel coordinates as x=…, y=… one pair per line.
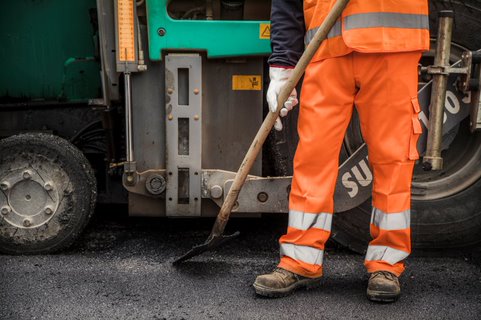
x=29, y=198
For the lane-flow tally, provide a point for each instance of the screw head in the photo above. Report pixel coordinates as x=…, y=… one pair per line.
x=155, y=184
x=170, y=117
x=130, y=178
x=196, y=117
x=27, y=223
x=48, y=186
x=48, y=210
x=196, y=91
x=5, y=210
x=236, y=206
x=262, y=197
x=161, y=32
x=170, y=90
x=4, y=186
x=216, y=191
x=27, y=174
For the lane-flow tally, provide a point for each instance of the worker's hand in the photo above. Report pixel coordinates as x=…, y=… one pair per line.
x=279, y=77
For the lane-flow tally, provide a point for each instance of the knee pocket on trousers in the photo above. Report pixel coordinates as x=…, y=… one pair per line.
x=417, y=130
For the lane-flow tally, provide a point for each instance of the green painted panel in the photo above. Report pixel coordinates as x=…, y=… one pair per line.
x=38, y=37
x=219, y=38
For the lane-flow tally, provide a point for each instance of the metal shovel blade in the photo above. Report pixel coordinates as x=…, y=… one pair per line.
x=209, y=244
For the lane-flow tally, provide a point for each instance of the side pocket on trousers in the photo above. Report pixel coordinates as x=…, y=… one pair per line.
x=416, y=130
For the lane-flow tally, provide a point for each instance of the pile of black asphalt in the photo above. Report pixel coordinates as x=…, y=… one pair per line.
x=121, y=268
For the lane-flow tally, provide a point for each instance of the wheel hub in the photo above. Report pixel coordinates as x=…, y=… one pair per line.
x=28, y=198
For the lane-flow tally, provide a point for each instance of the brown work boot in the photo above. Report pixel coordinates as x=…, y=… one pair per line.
x=281, y=283
x=383, y=286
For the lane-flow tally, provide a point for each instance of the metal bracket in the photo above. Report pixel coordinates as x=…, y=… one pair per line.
x=262, y=195
x=438, y=70
x=446, y=70
x=183, y=101
x=259, y=194
x=469, y=82
x=466, y=62
x=476, y=102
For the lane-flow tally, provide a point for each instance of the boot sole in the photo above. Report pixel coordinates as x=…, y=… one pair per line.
x=283, y=292
x=380, y=296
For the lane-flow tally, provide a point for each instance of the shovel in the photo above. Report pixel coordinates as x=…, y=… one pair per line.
x=217, y=236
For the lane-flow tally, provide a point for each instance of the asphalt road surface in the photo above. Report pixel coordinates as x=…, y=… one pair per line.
x=121, y=269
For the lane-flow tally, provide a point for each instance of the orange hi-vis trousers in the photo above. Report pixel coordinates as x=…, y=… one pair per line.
x=383, y=87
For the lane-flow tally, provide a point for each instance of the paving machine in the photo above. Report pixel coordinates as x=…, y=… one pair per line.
x=153, y=103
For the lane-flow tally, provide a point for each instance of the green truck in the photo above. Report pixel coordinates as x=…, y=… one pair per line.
x=153, y=104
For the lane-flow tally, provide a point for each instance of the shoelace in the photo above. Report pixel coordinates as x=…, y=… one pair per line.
x=280, y=270
x=286, y=274
x=386, y=274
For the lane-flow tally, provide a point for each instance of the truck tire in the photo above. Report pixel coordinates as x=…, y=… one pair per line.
x=446, y=205
x=48, y=193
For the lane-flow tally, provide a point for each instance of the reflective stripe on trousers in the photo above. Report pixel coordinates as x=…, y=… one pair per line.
x=305, y=221
x=374, y=20
x=302, y=253
x=391, y=221
x=385, y=253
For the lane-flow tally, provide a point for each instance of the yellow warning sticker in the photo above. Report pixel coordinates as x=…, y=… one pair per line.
x=246, y=82
x=265, y=31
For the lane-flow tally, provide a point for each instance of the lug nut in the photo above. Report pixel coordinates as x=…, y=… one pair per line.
x=48, y=210
x=26, y=223
x=5, y=210
x=47, y=186
x=27, y=174
x=4, y=186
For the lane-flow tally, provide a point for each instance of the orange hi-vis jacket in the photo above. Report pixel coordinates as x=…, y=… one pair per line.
x=370, y=26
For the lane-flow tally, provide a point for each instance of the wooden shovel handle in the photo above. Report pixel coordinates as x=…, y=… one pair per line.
x=269, y=121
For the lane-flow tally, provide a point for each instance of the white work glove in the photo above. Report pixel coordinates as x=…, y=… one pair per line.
x=279, y=77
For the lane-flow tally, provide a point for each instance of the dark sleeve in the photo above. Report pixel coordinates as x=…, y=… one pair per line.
x=287, y=32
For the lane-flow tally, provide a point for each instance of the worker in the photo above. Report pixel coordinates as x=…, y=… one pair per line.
x=369, y=60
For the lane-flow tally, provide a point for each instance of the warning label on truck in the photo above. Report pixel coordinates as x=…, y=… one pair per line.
x=265, y=31
x=246, y=82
